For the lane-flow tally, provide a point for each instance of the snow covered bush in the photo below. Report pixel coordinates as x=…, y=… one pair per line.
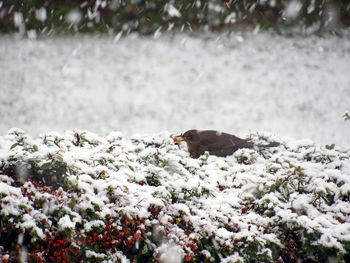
x=80, y=197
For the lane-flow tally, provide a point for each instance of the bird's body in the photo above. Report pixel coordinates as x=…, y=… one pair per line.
x=215, y=142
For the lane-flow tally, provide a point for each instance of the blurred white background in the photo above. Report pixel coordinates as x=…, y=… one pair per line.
x=245, y=82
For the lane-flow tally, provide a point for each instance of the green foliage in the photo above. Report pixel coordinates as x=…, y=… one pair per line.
x=330, y=147
x=147, y=17
x=346, y=115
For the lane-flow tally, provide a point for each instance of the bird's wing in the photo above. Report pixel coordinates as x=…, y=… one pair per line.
x=223, y=141
x=215, y=147
x=224, y=150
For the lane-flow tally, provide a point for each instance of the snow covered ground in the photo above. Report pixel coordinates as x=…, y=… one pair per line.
x=245, y=82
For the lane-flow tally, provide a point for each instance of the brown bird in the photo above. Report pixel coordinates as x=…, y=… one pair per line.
x=215, y=142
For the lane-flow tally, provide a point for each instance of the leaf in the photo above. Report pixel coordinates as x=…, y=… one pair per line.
x=292, y=185
x=60, y=158
x=72, y=203
x=46, y=166
x=330, y=147
x=144, y=250
x=14, y=145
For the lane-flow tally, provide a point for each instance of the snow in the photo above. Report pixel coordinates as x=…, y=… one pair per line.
x=29, y=223
x=172, y=11
x=170, y=253
x=8, y=190
x=41, y=14
x=94, y=224
x=292, y=86
x=292, y=9
x=65, y=222
x=73, y=17
x=93, y=254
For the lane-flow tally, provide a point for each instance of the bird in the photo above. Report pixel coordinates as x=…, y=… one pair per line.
x=215, y=142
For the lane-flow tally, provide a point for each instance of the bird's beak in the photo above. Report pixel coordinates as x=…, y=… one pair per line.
x=179, y=139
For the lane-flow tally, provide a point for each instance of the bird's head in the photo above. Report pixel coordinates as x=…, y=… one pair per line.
x=187, y=136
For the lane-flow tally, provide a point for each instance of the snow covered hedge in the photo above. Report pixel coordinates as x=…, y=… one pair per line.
x=77, y=196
